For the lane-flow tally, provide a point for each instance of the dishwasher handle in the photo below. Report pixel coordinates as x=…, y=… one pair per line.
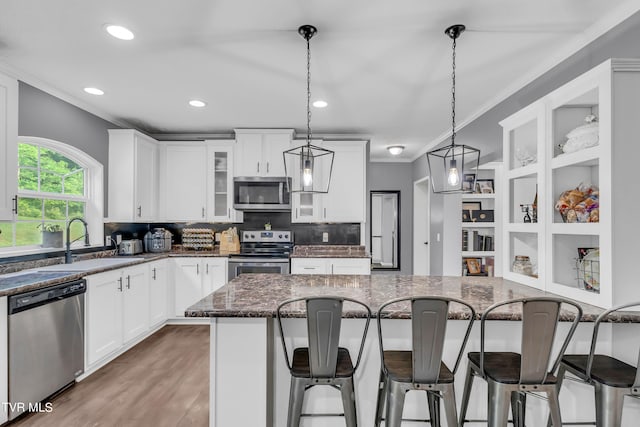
x=39, y=297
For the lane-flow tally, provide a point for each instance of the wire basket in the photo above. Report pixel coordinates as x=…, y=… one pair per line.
x=588, y=274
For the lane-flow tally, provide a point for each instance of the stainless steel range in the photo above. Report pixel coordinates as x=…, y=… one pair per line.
x=262, y=251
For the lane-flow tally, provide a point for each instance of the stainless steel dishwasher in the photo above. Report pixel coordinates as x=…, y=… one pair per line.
x=46, y=343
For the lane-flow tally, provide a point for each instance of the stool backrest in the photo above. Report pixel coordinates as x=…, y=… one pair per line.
x=540, y=318
x=324, y=321
x=428, y=332
x=602, y=317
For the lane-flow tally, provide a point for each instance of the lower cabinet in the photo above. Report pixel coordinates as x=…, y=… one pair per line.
x=158, y=292
x=331, y=266
x=196, y=277
x=117, y=310
x=4, y=361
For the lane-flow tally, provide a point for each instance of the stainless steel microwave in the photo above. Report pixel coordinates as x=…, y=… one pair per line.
x=257, y=193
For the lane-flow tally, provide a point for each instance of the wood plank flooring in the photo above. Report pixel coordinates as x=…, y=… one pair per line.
x=163, y=381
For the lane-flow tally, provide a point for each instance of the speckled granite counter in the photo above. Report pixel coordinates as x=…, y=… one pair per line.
x=329, y=251
x=258, y=295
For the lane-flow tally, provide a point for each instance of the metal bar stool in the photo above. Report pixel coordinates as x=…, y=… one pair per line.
x=611, y=378
x=510, y=376
x=323, y=362
x=420, y=368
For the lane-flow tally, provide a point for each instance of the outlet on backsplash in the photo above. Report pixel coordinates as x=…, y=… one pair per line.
x=325, y=237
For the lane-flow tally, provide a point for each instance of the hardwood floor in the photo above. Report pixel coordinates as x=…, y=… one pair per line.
x=163, y=381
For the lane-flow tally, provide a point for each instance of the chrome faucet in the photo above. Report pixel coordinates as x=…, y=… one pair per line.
x=67, y=254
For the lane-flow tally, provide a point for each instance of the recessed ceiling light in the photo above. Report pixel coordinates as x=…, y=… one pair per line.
x=320, y=103
x=119, y=32
x=94, y=91
x=395, y=149
x=197, y=103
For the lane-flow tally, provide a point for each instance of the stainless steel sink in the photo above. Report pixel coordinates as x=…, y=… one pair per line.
x=91, y=264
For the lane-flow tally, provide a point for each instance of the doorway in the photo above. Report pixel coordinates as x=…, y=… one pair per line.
x=421, y=227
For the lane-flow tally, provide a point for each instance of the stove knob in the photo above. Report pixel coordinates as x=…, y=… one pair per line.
x=279, y=236
x=253, y=236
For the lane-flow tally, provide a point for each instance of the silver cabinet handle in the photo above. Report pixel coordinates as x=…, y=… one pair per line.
x=139, y=211
x=229, y=212
x=154, y=274
x=120, y=282
x=267, y=167
x=296, y=212
x=309, y=268
x=207, y=268
x=128, y=282
x=202, y=212
x=15, y=204
x=197, y=268
x=258, y=169
x=325, y=212
x=331, y=268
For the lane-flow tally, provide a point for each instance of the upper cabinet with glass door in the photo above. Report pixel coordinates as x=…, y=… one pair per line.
x=220, y=182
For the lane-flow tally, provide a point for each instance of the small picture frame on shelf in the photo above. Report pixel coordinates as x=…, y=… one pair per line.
x=484, y=186
x=482, y=215
x=471, y=206
x=474, y=265
x=467, y=183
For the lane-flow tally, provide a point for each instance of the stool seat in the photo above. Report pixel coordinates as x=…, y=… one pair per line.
x=301, y=367
x=605, y=369
x=400, y=367
x=503, y=367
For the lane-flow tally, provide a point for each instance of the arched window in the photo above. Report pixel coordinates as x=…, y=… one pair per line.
x=56, y=182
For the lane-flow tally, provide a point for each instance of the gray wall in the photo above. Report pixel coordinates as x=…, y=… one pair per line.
x=486, y=134
x=46, y=116
x=388, y=177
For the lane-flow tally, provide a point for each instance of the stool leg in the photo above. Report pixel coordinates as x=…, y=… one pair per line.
x=296, y=397
x=434, y=409
x=561, y=372
x=499, y=399
x=395, y=403
x=349, y=402
x=609, y=402
x=449, y=400
x=518, y=406
x=382, y=385
x=468, y=382
x=554, y=407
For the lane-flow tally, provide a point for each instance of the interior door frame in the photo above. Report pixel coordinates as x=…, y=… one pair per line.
x=398, y=242
x=421, y=222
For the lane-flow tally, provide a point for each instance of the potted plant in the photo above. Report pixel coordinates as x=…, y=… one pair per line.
x=51, y=235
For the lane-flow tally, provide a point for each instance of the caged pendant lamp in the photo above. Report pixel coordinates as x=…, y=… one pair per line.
x=309, y=166
x=449, y=165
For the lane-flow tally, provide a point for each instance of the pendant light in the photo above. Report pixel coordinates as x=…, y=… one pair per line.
x=309, y=166
x=449, y=165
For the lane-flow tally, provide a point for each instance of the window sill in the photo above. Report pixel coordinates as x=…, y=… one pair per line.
x=17, y=254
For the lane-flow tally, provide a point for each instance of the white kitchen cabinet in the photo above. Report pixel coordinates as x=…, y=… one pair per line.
x=184, y=181
x=196, y=277
x=133, y=176
x=4, y=360
x=158, y=292
x=346, y=199
x=331, y=266
x=259, y=152
x=117, y=310
x=8, y=146
x=219, y=180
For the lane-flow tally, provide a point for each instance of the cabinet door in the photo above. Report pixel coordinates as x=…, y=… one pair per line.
x=309, y=266
x=345, y=201
x=306, y=207
x=215, y=274
x=350, y=266
x=248, y=154
x=273, y=146
x=8, y=145
x=158, y=292
x=136, y=302
x=146, y=180
x=4, y=361
x=220, y=179
x=187, y=279
x=185, y=182
x=103, y=315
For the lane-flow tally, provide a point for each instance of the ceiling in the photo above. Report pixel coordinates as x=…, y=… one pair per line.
x=384, y=67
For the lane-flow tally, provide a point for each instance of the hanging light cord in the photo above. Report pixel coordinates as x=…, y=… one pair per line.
x=453, y=93
x=308, y=92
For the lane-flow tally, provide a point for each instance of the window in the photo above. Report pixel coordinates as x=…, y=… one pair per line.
x=54, y=186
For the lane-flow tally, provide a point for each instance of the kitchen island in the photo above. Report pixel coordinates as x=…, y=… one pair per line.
x=248, y=368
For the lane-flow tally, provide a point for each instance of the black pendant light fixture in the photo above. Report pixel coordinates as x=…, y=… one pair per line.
x=450, y=165
x=309, y=166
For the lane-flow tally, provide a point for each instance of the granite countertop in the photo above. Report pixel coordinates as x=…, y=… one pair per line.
x=329, y=251
x=258, y=295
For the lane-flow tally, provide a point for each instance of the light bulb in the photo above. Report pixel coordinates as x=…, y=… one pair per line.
x=307, y=173
x=454, y=175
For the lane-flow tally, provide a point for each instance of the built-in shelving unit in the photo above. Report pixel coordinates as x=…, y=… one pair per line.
x=589, y=261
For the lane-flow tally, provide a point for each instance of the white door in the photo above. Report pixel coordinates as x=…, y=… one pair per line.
x=185, y=183
x=187, y=280
x=215, y=274
x=248, y=157
x=8, y=145
x=421, y=219
x=158, y=292
x=345, y=201
x=146, y=180
x=136, y=302
x=273, y=147
x=104, y=314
